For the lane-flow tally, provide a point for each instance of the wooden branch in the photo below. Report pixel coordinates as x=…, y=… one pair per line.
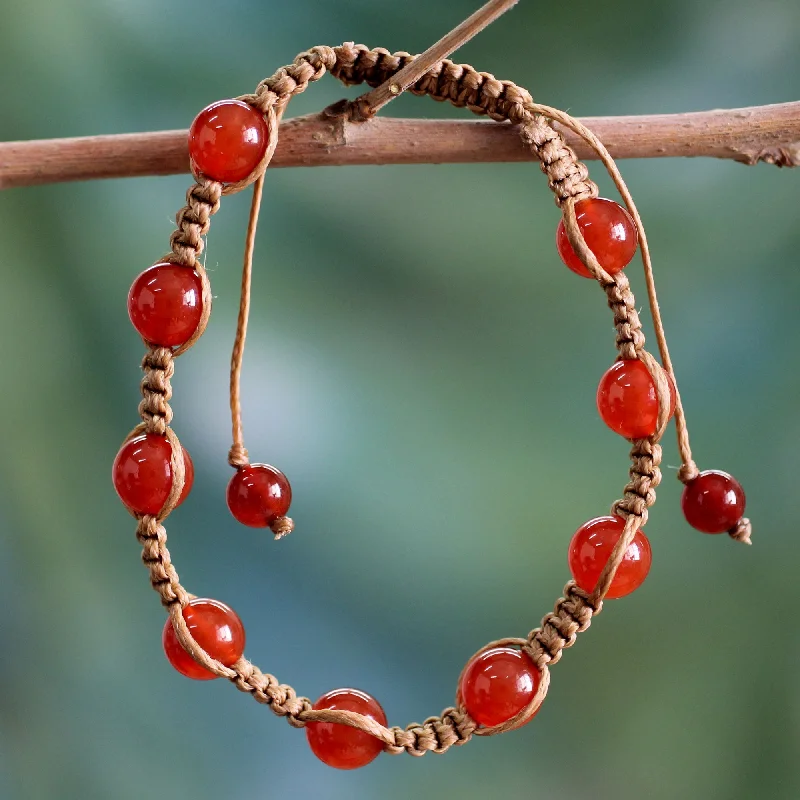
x=762, y=133
x=369, y=104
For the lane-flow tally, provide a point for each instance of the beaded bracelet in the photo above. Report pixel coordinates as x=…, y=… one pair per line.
x=504, y=684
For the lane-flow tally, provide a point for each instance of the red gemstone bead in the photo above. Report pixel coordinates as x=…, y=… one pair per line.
x=713, y=502
x=609, y=232
x=165, y=304
x=258, y=494
x=215, y=627
x=340, y=745
x=142, y=473
x=627, y=399
x=497, y=684
x=227, y=141
x=591, y=548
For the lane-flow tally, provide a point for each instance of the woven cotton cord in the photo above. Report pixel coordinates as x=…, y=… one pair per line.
x=502, y=101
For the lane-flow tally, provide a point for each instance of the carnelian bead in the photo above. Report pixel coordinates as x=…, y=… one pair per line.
x=340, y=745
x=627, y=399
x=227, y=141
x=497, y=684
x=591, y=547
x=713, y=502
x=215, y=627
x=142, y=473
x=609, y=232
x=165, y=304
x=258, y=494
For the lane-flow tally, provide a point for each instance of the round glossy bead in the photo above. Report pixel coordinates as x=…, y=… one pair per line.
x=497, y=684
x=339, y=745
x=165, y=304
x=227, y=141
x=258, y=494
x=591, y=547
x=215, y=627
x=627, y=399
x=142, y=473
x=609, y=232
x=713, y=502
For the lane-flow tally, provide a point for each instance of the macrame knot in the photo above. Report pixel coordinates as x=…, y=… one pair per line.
x=152, y=535
x=238, y=456
x=559, y=629
x=159, y=367
x=266, y=689
x=567, y=177
x=454, y=726
x=688, y=472
x=630, y=339
x=639, y=492
x=742, y=531
x=281, y=527
x=436, y=735
x=194, y=219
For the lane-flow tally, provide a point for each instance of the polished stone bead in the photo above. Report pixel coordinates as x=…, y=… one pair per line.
x=609, y=232
x=713, y=502
x=142, y=473
x=215, y=627
x=165, y=304
x=627, y=399
x=227, y=141
x=258, y=494
x=497, y=684
x=342, y=746
x=591, y=547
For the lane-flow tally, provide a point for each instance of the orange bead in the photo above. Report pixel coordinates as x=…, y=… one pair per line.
x=215, y=627
x=609, y=232
x=627, y=399
x=142, y=473
x=258, y=494
x=165, y=304
x=227, y=141
x=713, y=502
x=591, y=547
x=340, y=745
x=497, y=684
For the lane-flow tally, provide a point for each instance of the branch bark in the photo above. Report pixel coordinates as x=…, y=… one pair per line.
x=768, y=134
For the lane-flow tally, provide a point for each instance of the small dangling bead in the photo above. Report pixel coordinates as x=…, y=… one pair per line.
x=342, y=746
x=227, y=141
x=215, y=627
x=609, y=232
x=497, y=684
x=627, y=400
x=591, y=547
x=713, y=502
x=142, y=473
x=258, y=494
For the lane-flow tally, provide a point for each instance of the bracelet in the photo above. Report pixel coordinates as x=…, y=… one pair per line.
x=504, y=684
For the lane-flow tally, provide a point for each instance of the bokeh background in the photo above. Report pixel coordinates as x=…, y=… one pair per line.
x=428, y=387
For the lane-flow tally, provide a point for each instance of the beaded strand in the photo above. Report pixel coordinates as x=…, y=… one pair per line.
x=503, y=685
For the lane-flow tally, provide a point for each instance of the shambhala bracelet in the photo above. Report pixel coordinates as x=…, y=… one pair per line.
x=505, y=683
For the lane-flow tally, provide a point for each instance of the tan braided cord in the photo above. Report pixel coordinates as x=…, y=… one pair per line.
x=505, y=102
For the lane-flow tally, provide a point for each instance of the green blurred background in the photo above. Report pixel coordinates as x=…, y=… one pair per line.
x=413, y=382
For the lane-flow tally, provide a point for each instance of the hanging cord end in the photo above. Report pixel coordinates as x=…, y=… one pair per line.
x=281, y=527
x=742, y=531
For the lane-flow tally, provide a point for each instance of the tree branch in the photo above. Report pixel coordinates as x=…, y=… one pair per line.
x=762, y=133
